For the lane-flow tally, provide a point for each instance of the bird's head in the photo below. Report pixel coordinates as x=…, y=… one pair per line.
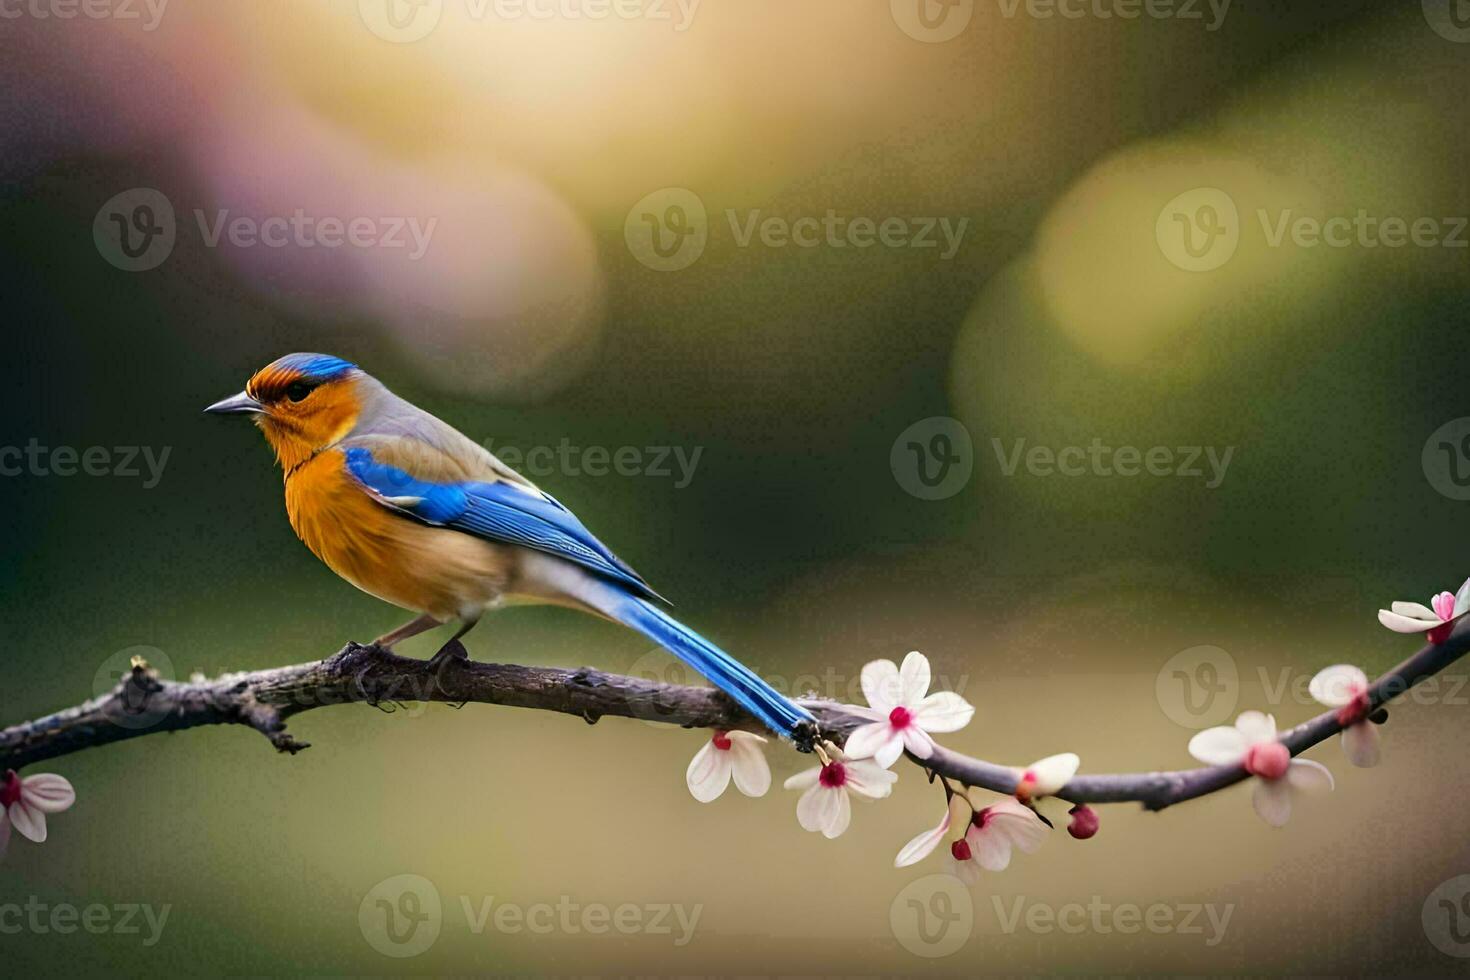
x=302, y=402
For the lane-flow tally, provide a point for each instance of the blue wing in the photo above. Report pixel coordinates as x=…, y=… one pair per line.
x=496, y=512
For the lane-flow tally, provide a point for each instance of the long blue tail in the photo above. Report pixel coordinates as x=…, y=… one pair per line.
x=779, y=713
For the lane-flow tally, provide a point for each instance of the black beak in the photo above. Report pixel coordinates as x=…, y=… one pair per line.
x=241, y=404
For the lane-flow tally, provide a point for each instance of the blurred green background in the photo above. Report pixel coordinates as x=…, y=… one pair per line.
x=1053, y=602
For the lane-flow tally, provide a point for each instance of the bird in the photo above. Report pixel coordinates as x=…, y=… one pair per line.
x=410, y=510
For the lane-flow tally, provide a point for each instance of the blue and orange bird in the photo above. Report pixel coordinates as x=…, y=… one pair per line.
x=410, y=510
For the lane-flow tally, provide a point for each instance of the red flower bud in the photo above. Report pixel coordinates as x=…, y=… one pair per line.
x=1084, y=821
x=9, y=788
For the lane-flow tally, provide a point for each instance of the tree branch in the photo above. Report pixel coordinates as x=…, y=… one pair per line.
x=264, y=700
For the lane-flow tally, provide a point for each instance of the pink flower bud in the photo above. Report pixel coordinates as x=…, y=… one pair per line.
x=961, y=850
x=1084, y=821
x=1267, y=760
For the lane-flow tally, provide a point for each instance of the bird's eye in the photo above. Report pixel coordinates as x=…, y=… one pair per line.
x=297, y=390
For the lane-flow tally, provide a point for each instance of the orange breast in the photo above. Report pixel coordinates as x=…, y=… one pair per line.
x=445, y=573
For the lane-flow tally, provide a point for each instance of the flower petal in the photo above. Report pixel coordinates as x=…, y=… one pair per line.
x=813, y=810
x=992, y=850
x=1462, y=599
x=918, y=742
x=1360, y=744
x=1221, y=746
x=1309, y=776
x=967, y=872
x=839, y=817
x=1414, y=610
x=1053, y=772
x=870, y=779
x=748, y=765
x=1019, y=823
x=805, y=779
x=1272, y=800
x=1400, y=623
x=1443, y=606
x=890, y=750
x=708, y=773
x=48, y=792
x=881, y=685
x=28, y=820
x=923, y=845
x=1337, y=685
x=866, y=740
x=1256, y=726
x=914, y=677
x=943, y=711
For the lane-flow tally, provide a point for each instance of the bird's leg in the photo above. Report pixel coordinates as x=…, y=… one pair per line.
x=420, y=625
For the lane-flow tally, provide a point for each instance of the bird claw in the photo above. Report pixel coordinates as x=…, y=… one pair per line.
x=449, y=652
x=453, y=650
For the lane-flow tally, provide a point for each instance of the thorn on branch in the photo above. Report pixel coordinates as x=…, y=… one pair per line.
x=268, y=722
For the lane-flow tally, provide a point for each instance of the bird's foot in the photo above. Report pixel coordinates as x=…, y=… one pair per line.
x=440, y=661
x=453, y=650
